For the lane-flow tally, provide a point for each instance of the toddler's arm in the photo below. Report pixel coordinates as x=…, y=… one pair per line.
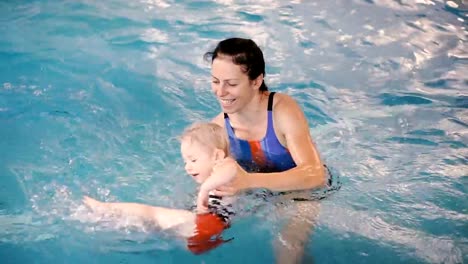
x=223, y=173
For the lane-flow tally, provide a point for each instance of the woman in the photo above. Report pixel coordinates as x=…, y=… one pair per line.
x=273, y=146
x=268, y=132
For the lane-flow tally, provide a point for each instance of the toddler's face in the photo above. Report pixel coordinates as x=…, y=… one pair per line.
x=199, y=159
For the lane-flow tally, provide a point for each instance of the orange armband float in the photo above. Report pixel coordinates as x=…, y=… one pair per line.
x=207, y=234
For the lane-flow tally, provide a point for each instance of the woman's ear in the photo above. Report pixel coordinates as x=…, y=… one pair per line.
x=257, y=82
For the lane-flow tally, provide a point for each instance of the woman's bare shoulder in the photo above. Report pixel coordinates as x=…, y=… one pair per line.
x=289, y=118
x=284, y=103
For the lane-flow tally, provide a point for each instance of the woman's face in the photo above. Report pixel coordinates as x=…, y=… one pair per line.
x=231, y=85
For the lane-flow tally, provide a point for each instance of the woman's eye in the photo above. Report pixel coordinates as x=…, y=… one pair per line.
x=214, y=81
x=232, y=84
x=194, y=160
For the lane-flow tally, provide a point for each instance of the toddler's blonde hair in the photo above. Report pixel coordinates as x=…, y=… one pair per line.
x=207, y=134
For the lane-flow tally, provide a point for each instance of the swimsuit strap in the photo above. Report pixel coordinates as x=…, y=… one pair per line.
x=270, y=101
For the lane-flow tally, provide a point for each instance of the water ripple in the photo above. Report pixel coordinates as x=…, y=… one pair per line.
x=393, y=100
x=428, y=247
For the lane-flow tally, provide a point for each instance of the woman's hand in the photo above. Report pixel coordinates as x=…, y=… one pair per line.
x=240, y=182
x=227, y=190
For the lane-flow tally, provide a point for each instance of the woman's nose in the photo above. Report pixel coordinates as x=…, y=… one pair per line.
x=220, y=90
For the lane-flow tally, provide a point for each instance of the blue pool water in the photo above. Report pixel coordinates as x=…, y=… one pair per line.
x=94, y=93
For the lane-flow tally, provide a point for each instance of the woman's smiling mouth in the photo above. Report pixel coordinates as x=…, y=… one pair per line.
x=227, y=102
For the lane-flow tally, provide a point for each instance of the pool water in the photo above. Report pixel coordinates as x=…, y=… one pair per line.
x=93, y=95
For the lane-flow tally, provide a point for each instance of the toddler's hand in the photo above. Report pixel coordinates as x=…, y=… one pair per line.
x=202, y=202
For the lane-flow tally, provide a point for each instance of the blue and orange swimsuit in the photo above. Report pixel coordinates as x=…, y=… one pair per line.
x=266, y=155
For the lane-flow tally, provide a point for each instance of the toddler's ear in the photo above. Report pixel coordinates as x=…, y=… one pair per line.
x=219, y=154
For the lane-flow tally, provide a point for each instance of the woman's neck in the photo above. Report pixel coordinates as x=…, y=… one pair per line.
x=253, y=112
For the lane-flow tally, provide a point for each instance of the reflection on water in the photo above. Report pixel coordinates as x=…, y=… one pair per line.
x=93, y=96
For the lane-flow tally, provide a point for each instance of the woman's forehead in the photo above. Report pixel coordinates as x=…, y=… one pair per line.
x=226, y=69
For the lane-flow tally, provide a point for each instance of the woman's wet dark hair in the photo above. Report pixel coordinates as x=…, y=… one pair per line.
x=244, y=52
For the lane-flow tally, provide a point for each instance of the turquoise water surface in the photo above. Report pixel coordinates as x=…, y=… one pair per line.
x=94, y=93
